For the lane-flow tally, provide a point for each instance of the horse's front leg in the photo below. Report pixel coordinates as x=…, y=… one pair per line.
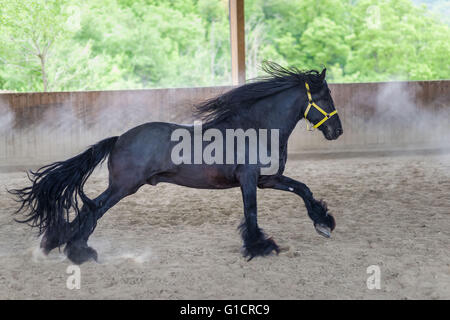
x=256, y=242
x=317, y=210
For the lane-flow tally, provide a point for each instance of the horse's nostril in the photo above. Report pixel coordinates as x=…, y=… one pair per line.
x=339, y=131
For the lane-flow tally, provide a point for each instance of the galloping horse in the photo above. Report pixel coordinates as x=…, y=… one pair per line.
x=142, y=155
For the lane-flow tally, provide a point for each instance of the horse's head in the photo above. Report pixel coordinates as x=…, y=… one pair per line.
x=320, y=110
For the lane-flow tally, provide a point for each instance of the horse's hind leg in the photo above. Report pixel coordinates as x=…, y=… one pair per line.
x=77, y=249
x=56, y=237
x=130, y=165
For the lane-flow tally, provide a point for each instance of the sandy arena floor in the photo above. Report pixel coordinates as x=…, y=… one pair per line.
x=179, y=243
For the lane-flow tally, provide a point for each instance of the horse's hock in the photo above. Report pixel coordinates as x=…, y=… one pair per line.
x=40, y=127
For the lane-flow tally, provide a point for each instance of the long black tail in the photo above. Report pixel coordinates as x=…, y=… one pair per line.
x=56, y=188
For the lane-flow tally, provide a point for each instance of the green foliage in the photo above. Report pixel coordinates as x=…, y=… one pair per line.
x=99, y=44
x=362, y=40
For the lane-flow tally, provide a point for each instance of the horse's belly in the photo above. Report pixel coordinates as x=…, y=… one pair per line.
x=201, y=176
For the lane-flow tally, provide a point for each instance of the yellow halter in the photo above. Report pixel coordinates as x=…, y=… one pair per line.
x=313, y=104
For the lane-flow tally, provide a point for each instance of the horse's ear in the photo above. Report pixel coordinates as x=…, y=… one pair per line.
x=323, y=74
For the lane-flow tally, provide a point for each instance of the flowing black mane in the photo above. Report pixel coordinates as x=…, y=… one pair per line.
x=277, y=80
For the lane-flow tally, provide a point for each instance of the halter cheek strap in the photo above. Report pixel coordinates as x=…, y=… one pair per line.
x=311, y=103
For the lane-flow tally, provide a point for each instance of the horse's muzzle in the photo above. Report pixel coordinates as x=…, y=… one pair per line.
x=331, y=134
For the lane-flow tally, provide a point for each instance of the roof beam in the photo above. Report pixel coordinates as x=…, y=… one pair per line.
x=237, y=39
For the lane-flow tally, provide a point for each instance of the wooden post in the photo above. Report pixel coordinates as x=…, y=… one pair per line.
x=237, y=39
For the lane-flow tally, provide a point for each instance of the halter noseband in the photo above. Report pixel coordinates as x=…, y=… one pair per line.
x=311, y=103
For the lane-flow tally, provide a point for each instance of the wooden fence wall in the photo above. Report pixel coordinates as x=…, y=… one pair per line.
x=40, y=127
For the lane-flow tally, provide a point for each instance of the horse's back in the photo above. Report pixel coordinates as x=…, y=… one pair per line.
x=146, y=147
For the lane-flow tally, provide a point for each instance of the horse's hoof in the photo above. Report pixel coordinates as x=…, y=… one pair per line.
x=54, y=238
x=323, y=230
x=262, y=247
x=48, y=243
x=80, y=254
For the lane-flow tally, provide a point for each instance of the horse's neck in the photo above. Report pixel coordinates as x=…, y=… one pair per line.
x=283, y=113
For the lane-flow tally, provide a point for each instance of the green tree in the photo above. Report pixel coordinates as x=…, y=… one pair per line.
x=29, y=30
x=100, y=44
x=363, y=40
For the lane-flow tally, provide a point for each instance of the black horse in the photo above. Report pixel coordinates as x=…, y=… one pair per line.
x=142, y=155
